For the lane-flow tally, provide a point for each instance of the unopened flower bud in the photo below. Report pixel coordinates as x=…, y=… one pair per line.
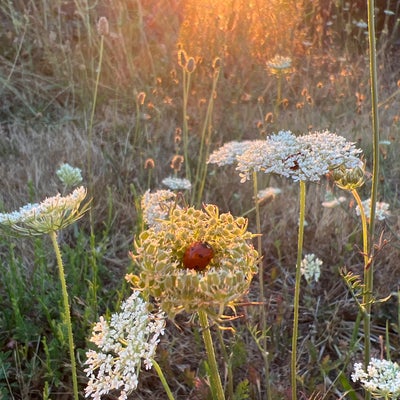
x=176, y=163
x=191, y=65
x=182, y=58
x=103, y=28
x=348, y=179
x=149, y=164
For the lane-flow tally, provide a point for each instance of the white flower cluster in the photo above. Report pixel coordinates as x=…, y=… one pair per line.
x=268, y=193
x=311, y=268
x=228, y=153
x=279, y=63
x=382, y=378
x=381, y=210
x=69, y=175
x=302, y=158
x=129, y=338
x=157, y=206
x=174, y=183
x=52, y=214
x=331, y=201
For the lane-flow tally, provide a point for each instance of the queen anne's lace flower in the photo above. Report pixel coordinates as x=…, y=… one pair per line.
x=381, y=210
x=164, y=276
x=69, y=175
x=174, y=183
x=311, y=268
x=130, y=338
x=157, y=206
x=301, y=158
x=52, y=214
x=279, y=64
x=381, y=379
x=268, y=193
x=228, y=153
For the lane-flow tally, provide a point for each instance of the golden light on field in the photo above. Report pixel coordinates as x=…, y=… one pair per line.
x=241, y=31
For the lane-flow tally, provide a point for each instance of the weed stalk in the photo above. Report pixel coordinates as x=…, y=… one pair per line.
x=261, y=283
x=300, y=238
x=162, y=379
x=214, y=374
x=369, y=269
x=67, y=312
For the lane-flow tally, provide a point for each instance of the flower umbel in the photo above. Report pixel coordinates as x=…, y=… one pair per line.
x=130, y=338
x=381, y=379
x=175, y=183
x=382, y=209
x=51, y=215
x=302, y=158
x=157, y=206
x=311, y=268
x=226, y=278
x=279, y=64
x=69, y=175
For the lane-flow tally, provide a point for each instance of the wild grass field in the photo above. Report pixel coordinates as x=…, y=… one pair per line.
x=151, y=92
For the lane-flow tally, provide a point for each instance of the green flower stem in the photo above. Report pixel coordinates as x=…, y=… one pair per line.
x=368, y=285
x=375, y=116
x=186, y=86
x=215, y=378
x=67, y=312
x=162, y=379
x=300, y=238
x=201, y=170
x=368, y=272
x=91, y=122
x=364, y=227
x=261, y=283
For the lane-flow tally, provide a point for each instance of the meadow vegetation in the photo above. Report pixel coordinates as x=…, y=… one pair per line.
x=153, y=96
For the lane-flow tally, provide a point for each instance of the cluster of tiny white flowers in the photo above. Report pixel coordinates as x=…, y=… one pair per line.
x=311, y=268
x=157, y=206
x=228, y=153
x=52, y=214
x=382, y=378
x=69, y=175
x=268, y=193
x=381, y=210
x=332, y=202
x=129, y=338
x=302, y=158
x=279, y=63
x=360, y=24
x=174, y=183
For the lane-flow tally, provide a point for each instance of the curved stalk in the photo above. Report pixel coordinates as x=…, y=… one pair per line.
x=162, y=379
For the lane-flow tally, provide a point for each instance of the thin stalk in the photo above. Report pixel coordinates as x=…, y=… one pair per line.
x=369, y=271
x=67, y=312
x=368, y=283
x=364, y=227
x=162, y=379
x=296, y=300
x=228, y=362
x=261, y=283
x=185, y=128
x=375, y=116
x=212, y=362
x=201, y=170
x=90, y=128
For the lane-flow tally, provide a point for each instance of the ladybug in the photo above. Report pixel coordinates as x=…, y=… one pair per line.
x=197, y=256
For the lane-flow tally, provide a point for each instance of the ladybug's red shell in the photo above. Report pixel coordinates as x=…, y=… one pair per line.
x=197, y=256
